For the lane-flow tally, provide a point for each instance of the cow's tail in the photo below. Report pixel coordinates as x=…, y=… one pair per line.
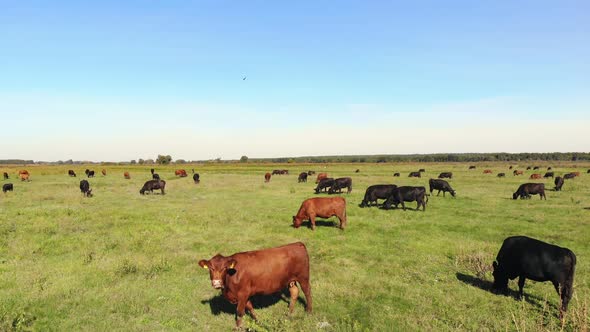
x=568, y=286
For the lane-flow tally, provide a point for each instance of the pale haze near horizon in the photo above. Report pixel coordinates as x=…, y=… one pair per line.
x=116, y=82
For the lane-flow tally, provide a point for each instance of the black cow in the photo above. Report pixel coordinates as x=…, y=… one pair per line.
x=421, y=170
x=501, y=175
x=569, y=176
x=71, y=173
x=196, y=178
x=414, y=175
x=310, y=172
x=558, y=183
x=7, y=187
x=528, y=258
x=396, y=174
x=155, y=176
x=440, y=185
x=357, y=170
x=374, y=192
x=528, y=168
x=447, y=175
x=302, y=177
x=510, y=167
x=90, y=174
x=87, y=171
x=471, y=167
x=339, y=184
x=549, y=168
x=151, y=185
x=407, y=194
x=548, y=175
x=536, y=168
x=527, y=189
x=85, y=188
x=5, y=176
x=324, y=184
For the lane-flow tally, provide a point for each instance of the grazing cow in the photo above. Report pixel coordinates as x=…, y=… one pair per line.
x=90, y=174
x=302, y=177
x=324, y=185
x=5, y=176
x=527, y=189
x=284, y=172
x=267, y=177
x=528, y=168
x=501, y=175
x=407, y=194
x=510, y=167
x=535, y=176
x=87, y=171
x=104, y=172
x=443, y=175
x=548, y=175
x=155, y=176
x=181, y=173
x=421, y=170
x=339, y=184
x=558, y=183
x=71, y=173
x=310, y=172
x=196, y=178
x=517, y=172
x=535, y=168
x=261, y=272
x=320, y=177
x=85, y=188
x=151, y=185
x=414, y=175
x=276, y=172
x=357, y=170
x=24, y=176
x=528, y=258
x=487, y=171
x=323, y=207
x=549, y=168
x=396, y=174
x=569, y=176
x=24, y=171
x=471, y=167
x=7, y=187
x=374, y=192
x=126, y=175
x=440, y=185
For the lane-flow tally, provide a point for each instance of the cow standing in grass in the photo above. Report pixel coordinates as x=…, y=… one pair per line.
x=85, y=188
x=323, y=207
x=527, y=189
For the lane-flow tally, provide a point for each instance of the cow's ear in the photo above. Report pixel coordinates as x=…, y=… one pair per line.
x=495, y=265
x=203, y=264
x=232, y=263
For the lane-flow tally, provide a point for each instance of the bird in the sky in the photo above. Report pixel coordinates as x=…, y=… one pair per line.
x=244, y=78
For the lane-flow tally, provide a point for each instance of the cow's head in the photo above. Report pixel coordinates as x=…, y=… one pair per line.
x=500, y=278
x=89, y=193
x=452, y=193
x=296, y=222
x=219, y=267
x=515, y=195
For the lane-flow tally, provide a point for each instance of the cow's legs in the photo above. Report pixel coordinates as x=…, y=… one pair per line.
x=294, y=291
x=250, y=308
x=342, y=219
x=312, y=222
x=306, y=288
x=521, y=281
x=403, y=205
x=438, y=193
x=241, y=310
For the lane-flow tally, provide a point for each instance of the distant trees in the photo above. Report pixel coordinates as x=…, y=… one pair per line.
x=164, y=160
x=180, y=161
x=141, y=161
x=133, y=162
x=244, y=159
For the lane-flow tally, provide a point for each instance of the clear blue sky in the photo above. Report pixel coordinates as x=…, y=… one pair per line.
x=120, y=80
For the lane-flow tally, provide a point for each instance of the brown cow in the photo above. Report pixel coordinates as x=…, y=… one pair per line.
x=104, y=172
x=323, y=207
x=535, y=176
x=181, y=173
x=517, y=172
x=267, y=177
x=261, y=272
x=487, y=171
x=24, y=176
x=126, y=175
x=320, y=177
x=24, y=171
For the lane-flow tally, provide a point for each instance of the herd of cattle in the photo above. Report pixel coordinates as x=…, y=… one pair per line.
x=267, y=271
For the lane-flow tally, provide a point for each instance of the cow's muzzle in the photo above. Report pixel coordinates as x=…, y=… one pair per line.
x=217, y=284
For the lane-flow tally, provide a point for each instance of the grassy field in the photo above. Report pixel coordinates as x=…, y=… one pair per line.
x=124, y=262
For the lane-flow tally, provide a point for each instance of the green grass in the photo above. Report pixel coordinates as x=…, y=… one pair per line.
x=125, y=262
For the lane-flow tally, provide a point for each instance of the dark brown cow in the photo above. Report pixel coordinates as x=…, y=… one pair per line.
x=517, y=172
x=320, y=177
x=535, y=176
x=501, y=175
x=396, y=174
x=323, y=207
x=261, y=272
x=71, y=173
x=471, y=167
x=535, y=168
x=357, y=170
x=6, y=176
x=528, y=168
x=181, y=173
x=510, y=167
x=487, y=171
x=267, y=177
x=126, y=175
x=549, y=175
x=302, y=177
x=414, y=175
x=569, y=176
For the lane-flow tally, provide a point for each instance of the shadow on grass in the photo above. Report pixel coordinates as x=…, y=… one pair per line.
x=321, y=223
x=487, y=286
x=400, y=208
x=218, y=304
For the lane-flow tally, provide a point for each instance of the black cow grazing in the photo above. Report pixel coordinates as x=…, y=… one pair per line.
x=407, y=194
x=302, y=177
x=501, y=175
x=528, y=258
x=276, y=172
x=378, y=191
x=414, y=175
x=396, y=174
x=310, y=172
x=85, y=188
x=471, y=167
x=549, y=168
x=7, y=187
x=5, y=176
x=440, y=185
x=196, y=178
x=569, y=176
x=421, y=170
x=447, y=175
x=71, y=173
x=536, y=168
x=155, y=176
x=324, y=184
x=339, y=184
x=548, y=175
x=87, y=171
x=152, y=171
x=510, y=167
x=558, y=183
x=528, y=168
x=357, y=170
x=527, y=189
x=152, y=185
x=90, y=174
